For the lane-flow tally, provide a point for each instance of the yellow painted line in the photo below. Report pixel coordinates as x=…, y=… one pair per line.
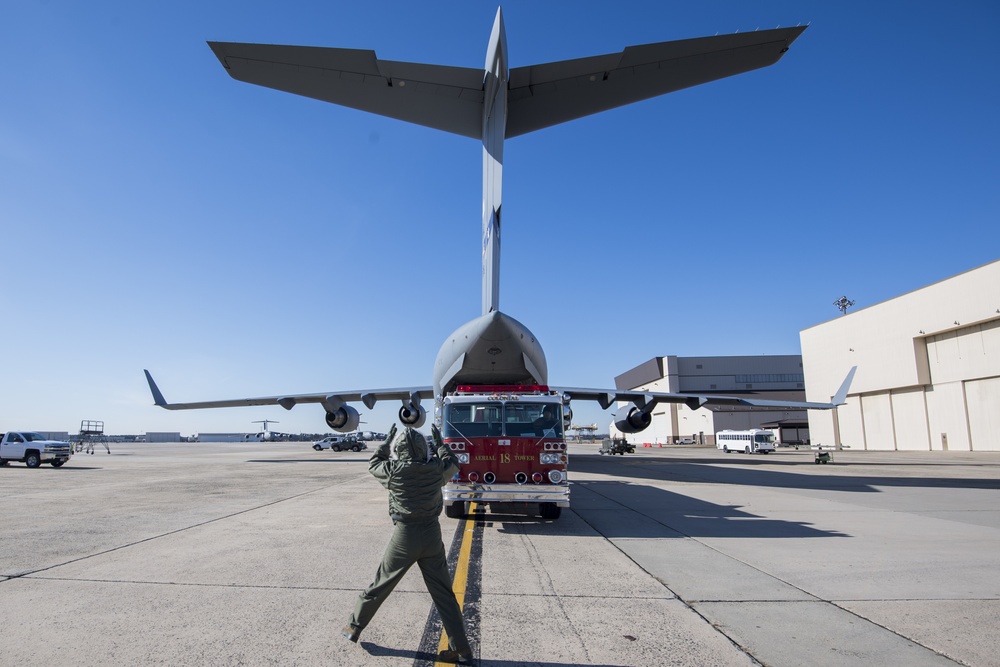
x=461, y=573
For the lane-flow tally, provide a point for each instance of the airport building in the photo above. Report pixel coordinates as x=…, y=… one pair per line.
x=221, y=437
x=771, y=377
x=162, y=436
x=928, y=369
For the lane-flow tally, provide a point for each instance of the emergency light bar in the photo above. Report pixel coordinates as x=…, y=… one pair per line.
x=500, y=388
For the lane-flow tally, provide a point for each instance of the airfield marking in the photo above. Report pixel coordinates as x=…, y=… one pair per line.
x=461, y=570
x=465, y=554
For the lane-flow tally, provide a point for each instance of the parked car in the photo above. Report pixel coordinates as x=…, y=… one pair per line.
x=339, y=442
x=687, y=441
x=616, y=446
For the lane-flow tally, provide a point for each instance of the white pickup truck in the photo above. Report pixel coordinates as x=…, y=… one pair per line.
x=33, y=449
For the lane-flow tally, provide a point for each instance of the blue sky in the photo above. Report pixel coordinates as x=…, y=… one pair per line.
x=237, y=241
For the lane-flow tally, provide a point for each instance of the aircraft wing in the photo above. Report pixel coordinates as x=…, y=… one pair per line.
x=451, y=98
x=329, y=400
x=645, y=400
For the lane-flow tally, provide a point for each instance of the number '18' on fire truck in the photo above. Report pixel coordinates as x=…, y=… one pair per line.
x=509, y=440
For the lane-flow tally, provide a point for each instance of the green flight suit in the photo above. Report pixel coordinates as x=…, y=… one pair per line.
x=414, y=481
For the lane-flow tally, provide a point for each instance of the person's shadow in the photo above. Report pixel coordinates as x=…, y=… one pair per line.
x=384, y=651
x=421, y=658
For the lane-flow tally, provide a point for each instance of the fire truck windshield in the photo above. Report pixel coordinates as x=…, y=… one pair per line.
x=473, y=420
x=533, y=419
x=514, y=419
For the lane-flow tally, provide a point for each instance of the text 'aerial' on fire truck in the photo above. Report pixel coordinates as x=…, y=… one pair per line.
x=509, y=440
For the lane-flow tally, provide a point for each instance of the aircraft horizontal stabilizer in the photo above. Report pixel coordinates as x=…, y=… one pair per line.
x=544, y=95
x=451, y=98
x=437, y=96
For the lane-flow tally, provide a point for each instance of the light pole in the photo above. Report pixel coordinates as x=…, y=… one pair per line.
x=842, y=304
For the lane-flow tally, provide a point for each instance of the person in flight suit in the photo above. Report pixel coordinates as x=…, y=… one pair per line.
x=414, y=480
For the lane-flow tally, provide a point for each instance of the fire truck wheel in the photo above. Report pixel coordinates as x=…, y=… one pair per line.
x=549, y=510
x=456, y=511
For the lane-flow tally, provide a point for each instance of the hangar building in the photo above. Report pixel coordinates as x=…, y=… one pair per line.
x=773, y=377
x=928, y=369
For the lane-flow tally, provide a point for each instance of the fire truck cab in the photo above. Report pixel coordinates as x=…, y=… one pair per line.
x=510, y=442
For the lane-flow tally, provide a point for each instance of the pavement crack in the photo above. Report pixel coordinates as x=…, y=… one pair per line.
x=548, y=587
x=151, y=538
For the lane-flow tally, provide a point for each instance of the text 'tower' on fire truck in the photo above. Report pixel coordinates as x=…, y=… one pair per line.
x=490, y=383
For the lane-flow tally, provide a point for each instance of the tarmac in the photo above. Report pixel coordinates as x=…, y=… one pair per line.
x=253, y=554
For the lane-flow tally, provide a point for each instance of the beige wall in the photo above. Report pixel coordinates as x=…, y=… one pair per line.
x=928, y=368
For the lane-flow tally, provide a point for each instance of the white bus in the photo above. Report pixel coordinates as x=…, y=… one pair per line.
x=754, y=441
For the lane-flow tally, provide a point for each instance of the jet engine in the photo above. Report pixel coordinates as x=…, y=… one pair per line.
x=631, y=419
x=412, y=415
x=344, y=419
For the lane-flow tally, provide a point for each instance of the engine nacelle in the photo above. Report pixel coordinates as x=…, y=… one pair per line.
x=344, y=419
x=631, y=419
x=412, y=415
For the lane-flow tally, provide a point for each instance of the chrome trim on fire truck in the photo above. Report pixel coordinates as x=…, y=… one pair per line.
x=507, y=493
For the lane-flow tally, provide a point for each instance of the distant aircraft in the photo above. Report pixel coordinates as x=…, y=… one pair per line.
x=266, y=435
x=491, y=105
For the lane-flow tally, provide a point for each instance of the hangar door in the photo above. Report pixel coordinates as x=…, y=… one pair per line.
x=982, y=399
x=965, y=354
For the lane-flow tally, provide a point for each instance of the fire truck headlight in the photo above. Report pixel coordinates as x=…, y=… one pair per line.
x=462, y=457
x=550, y=458
x=556, y=476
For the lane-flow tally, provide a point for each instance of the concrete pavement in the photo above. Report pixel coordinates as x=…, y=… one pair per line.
x=253, y=553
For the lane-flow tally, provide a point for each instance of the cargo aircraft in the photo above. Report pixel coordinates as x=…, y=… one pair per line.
x=491, y=105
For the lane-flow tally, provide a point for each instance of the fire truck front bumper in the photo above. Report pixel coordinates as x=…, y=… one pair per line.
x=558, y=494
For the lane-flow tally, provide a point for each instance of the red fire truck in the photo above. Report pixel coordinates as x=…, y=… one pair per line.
x=509, y=440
